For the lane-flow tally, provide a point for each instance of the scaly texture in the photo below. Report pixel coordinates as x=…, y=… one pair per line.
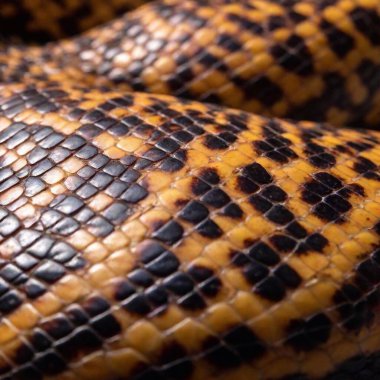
x=145, y=237
x=148, y=238
x=44, y=20
x=315, y=60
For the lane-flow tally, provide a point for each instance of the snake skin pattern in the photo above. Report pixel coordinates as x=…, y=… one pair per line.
x=313, y=60
x=149, y=237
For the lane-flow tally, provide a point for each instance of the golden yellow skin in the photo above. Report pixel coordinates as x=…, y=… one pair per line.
x=145, y=237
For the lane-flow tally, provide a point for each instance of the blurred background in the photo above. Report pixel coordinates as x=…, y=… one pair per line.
x=46, y=20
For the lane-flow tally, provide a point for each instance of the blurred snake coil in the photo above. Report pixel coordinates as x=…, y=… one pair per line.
x=190, y=191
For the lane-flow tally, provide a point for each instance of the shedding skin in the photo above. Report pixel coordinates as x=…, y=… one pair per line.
x=145, y=236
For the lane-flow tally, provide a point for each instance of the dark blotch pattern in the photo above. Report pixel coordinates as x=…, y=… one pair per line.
x=305, y=335
x=341, y=43
x=234, y=347
x=329, y=197
x=293, y=55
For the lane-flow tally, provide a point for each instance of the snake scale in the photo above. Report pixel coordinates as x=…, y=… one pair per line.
x=165, y=213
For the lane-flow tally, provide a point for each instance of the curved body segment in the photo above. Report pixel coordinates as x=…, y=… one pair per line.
x=308, y=60
x=148, y=238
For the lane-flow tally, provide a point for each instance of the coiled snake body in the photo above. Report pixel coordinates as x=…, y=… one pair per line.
x=146, y=236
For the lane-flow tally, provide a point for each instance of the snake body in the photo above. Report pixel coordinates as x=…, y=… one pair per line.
x=145, y=236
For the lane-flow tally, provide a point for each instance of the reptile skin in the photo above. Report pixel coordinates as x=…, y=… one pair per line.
x=148, y=237
x=314, y=60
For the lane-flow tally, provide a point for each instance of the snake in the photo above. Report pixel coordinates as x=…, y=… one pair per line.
x=190, y=191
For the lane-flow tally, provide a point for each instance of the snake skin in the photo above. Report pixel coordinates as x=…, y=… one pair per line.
x=148, y=237
x=314, y=60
